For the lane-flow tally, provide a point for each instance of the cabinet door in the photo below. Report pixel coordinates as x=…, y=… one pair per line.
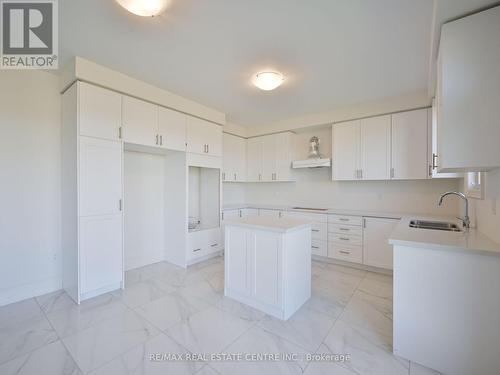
x=409, y=145
x=140, y=122
x=100, y=112
x=268, y=157
x=345, y=143
x=375, y=148
x=172, y=129
x=228, y=157
x=283, y=155
x=237, y=261
x=203, y=137
x=376, y=249
x=101, y=251
x=240, y=159
x=267, y=271
x=254, y=159
x=100, y=176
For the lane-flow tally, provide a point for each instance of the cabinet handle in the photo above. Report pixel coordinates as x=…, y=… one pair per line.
x=195, y=250
x=361, y=173
x=120, y=204
x=156, y=138
x=315, y=247
x=344, y=252
x=260, y=177
x=161, y=140
x=343, y=219
x=364, y=223
x=120, y=132
x=315, y=230
x=223, y=176
x=434, y=160
x=223, y=216
x=208, y=148
x=214, y=244
x=241, y=215
x=345, y=229
x=344, y=239
x=280, y=214
x=392, y=172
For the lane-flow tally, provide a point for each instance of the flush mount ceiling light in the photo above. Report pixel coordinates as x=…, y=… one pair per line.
x=144, y=8
x=268, y=81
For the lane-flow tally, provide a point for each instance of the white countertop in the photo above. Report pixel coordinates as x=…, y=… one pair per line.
x=268, y=223
x=472, y=242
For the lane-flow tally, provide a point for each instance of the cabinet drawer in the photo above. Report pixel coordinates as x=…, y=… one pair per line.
x=204, y=242
x=345, y=229
x=319, y=248
x=319, y=231
x=313, y=217
x=342, y=219
x=345, y=239
x=344, y=252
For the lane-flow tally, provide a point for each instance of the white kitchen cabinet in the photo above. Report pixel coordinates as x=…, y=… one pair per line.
x=319, y=230
x=376, y=249
x=269, y=157
x=269, y=267
x=101, y=253
x=270, y=212
x=468, y=95
x=100, y=112
x=234, y=158
x=140, y=122
x=254, y=159
x=203, y=137
x=409, y=145
x=171, y=129
x=345, y=238
x=92, y=193
x=345, y=143
x=375, y=148
x=100, y=176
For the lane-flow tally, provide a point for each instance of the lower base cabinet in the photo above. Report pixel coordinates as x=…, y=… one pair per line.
x=203, y=243
x=377, y=252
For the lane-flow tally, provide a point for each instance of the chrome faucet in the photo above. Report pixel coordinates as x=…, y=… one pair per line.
x=465, y=220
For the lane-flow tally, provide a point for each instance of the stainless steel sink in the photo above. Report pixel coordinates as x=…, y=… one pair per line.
x=436, y=225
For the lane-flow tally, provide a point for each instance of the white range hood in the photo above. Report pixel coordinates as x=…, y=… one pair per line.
x=312, y=163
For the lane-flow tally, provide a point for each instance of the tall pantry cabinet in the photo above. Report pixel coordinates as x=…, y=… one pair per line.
x=92, y=190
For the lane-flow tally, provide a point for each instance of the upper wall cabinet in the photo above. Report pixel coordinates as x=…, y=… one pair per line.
x=381, y=148
x=100, y=112
x=234, y=158
x=140, y=122
x=362, y=149
x=409, y=145
x=468, y=93
x=172, y=129
x=203, y=137
x=269, y=158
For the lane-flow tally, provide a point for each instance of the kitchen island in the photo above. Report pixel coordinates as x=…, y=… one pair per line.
x=268, y=263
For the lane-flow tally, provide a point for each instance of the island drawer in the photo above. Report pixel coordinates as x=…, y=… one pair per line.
x=319, y=231
x=319, y=247
x=344, y=219
x=345, y=252
x=345, y=239
x=345, y=229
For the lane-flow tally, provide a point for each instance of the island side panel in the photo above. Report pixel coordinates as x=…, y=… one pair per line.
x=297, y=270
x=446, y=309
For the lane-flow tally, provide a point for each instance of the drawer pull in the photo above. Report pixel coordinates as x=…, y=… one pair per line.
x=344, y=252
x=345, y=229
x=315, y=247
x=195, y=250
x=343, y=219
x=315, y=230
x=215, y=244
x=344, y=239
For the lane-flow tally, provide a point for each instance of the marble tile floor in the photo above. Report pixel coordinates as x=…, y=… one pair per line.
x=166, y=309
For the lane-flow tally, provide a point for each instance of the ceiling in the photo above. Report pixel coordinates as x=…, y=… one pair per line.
x=333, y=53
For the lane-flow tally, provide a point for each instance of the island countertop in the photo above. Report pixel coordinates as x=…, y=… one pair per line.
x=471, y=242
x=268, y=223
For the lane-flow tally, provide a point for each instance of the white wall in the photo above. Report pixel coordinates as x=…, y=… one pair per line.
x=30, y=193
x=487, y=211
x=144, y=187
x=314, y=188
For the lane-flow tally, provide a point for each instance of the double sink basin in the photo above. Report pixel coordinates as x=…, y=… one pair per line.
x=435, y=225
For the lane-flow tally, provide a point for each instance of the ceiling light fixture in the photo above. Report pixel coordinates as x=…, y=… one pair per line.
x=268, y=81
x=144, y=8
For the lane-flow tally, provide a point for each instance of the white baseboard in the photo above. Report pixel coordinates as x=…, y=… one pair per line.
x=26, y=291
x=358, y=266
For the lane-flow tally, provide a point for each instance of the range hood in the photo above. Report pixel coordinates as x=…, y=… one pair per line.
x=315, y=160
x=312, y=163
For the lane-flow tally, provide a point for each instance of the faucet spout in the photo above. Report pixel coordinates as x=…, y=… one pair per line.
x=465, y=220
